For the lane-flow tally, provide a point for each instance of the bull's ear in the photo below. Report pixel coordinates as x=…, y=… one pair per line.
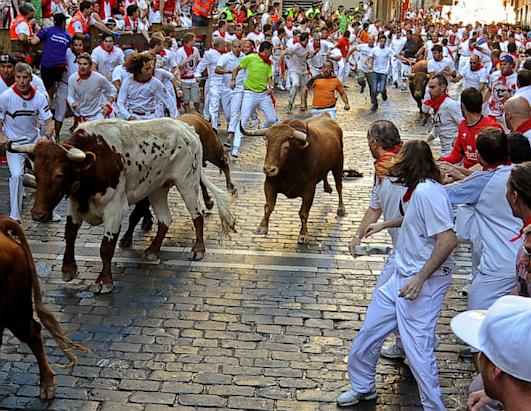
x=87, y=162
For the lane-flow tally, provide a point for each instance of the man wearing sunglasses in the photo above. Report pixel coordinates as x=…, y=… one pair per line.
x=473, y=74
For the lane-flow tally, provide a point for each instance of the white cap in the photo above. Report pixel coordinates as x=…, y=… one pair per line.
x=503, y=334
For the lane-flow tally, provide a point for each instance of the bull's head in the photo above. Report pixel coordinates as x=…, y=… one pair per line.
x=282, y=139
x=56, y=168
x=418, y=82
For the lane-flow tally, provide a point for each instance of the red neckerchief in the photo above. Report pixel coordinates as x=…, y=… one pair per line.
x=108, y=51
x=163, y=52
x=83, y=76
x=222, y=34
x=436, y=102
x=27, y=96
x=471, y=49
x=9, y=83
x=478, y=67
x=493, y=166
x=220, y=51
x=525, y=126
x=238, y=36
x=133, y=26
x=141, y=81
x=188, y=50
x=527, y=223
x=265, y=58
x=295, y=40
x=408, y=194
x=315, y=46
x=396, y=148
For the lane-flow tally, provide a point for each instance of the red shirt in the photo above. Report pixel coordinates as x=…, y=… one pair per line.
x=343, y=46
x=465, y=143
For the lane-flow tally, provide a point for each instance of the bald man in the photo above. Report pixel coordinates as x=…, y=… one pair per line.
x=518, y=115
x=524, y=84
x=473, y=74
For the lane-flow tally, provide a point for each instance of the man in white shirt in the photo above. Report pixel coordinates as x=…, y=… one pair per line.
x=7, y=71
x=397, y=44
x=502, y=86
x=445, y=112
x=379, y=61
x=187, y=57
x=298, y=54
x=524, y=84
x=234, y=96
x=412, y=298
x=22, y=107
x=107, y=56
x=473, y=74
x=90, y=94
x=364, y=74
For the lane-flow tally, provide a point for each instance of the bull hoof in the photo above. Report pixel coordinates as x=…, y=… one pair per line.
x=232, y=189
x=126, y=242
x=341, y=212
x=47, y=391
x=151, y=255
x=197, y=255
x=261, y=230
x=303, y=239
x=209, y=204
x=69, y=273
x=328, y=189
x=147, y=224
x=101, y=288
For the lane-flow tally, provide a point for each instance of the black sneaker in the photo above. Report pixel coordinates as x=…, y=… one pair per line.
x=384, y=96
x=374, y=108
x=362, y=89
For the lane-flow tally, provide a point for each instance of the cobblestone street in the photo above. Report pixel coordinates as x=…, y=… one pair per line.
x=260, y=323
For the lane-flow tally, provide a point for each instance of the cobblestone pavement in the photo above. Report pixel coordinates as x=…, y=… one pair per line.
x=261, y=323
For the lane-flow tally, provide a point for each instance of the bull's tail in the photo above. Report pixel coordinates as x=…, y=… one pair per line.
x=228, y=221
x=48, y=319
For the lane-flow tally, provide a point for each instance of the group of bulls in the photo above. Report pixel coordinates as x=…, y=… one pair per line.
x=106, y=165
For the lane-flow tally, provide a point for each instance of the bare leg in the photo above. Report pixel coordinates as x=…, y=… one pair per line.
x=69, y=262
x=271, y=200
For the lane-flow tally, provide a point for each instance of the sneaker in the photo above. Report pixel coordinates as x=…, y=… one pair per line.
x=362, y=89
x=464, y=290
x=290, y=107
x=374, y=108
x=395, y=84
x=393, y=352
x=281, y=87
x=352, y=397
x=56, y=217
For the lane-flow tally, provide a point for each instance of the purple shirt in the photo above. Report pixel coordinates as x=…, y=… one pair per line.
x=56, y=42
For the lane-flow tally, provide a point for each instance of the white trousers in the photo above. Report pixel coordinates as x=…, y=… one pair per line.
x=218, y=98
x=332, y=112
x=396, y=71
x=344, y=71
x=206, y=102
x=485, y=289
x=298, y=81
x=61, y=95
x=251, y=101
x=15, y=162
x=463, y=61
x=236, y=97
x=416, y=321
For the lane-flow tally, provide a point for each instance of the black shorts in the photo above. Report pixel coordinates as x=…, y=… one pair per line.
x=52, y=75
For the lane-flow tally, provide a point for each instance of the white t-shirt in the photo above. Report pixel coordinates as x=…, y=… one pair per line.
x=107, y=61
x=36, y=82
x=21, y=117
x=503, y=87
x=228, y=61
x=438, y=66
x=187, y=72
x=256, y=38
x=428, y=214
x=524, y=92
x=381, y=59
x=364, y=51
x=473, y=78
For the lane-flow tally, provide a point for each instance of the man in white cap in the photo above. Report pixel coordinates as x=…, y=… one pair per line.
x=503, y=336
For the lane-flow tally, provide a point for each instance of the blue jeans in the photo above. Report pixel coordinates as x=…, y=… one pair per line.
x=378, y=83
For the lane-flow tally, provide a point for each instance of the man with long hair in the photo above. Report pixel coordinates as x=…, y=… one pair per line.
x=412, y=298
x=141, y=94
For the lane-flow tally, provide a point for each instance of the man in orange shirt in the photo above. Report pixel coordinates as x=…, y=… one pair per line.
x=324, y=87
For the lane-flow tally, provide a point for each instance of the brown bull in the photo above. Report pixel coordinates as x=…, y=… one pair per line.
x=213, y=152
x=18, y=281
x=299, y=155
x=418, y=81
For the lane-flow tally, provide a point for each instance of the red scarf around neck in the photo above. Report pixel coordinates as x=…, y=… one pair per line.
x=436, y=102
x=220, y=51
x=495, y=165
x=9, y=83
x=527, y=223
x=83, y=76
x=108, y=51
x=478, y=67
x=188, y=50
x=265, y=58
x=408, y=194
x=525, y=126
x=24, y=96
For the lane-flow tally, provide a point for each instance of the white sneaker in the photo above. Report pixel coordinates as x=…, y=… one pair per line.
x=392, y=351
x=352, y=397
x=56, y=217
x=281, y=87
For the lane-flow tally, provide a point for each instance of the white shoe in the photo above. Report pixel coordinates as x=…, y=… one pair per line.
x=56, y=217
x=352, y=397
x=281, y=87
x=393, y=351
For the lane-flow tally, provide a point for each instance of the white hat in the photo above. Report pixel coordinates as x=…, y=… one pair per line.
x=503, y=334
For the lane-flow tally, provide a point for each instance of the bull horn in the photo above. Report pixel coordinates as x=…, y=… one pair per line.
x=23, y=148
x=261, y=132
x=299, y=135
x=74, y=154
